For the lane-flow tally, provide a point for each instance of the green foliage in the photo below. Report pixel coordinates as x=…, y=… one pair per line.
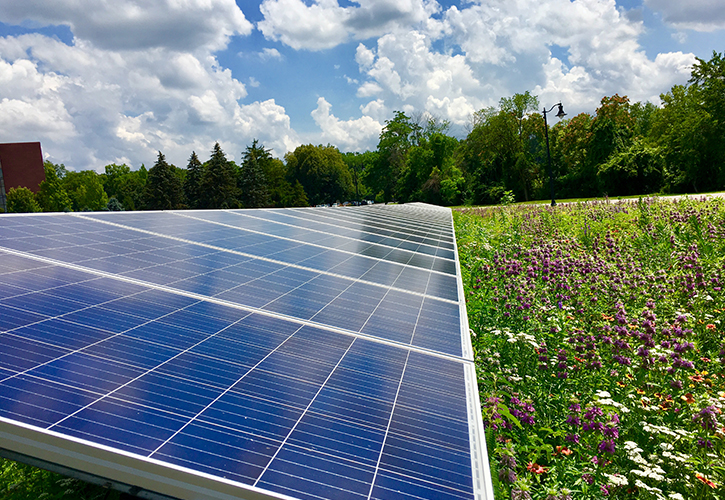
x=163, y=190
x=218, y=187
x=23, y=482
x=114, y=205
x=322, y=172
x=252, y=182
x=22, y=200
x=127, y=186
x=396, y=138
x=192, y=182
x=85, y=190
x=51, y=196
x=296, y=197
x=359, y=163
x=638, y=170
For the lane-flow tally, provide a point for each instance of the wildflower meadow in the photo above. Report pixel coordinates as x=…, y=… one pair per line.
x=599, y=332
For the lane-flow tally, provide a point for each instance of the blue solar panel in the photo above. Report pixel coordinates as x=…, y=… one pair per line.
x=227, y=352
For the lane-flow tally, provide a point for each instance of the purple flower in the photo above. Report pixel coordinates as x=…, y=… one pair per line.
x=592, y=412
x=589, y=478
x=611, y=432
x=573, y=420
x=575, y=407
x=706, y=418
x=704, y=443
x=572, y=438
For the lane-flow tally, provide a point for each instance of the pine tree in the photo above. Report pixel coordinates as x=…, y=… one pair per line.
x=192, y=183
x=218, y=187
x=163, y=189
x=252, y=181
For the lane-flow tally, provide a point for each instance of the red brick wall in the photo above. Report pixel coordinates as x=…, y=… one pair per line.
x=22, y=164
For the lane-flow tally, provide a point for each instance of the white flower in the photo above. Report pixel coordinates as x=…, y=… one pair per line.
x=617, y=479
x=675, y=496
x=603, y=394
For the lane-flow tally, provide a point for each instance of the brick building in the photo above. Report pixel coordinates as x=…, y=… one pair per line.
x=21, y=164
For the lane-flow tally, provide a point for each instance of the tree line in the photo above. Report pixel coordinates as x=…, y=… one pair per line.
x=624, y=148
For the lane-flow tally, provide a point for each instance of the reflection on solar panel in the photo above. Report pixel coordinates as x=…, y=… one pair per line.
x=296, y=353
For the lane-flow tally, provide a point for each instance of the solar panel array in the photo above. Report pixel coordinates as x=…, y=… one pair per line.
x=294, y=353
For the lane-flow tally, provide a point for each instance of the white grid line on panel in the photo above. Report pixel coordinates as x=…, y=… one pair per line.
x=263, y=312
x=304, y=412
x=281, y=263
x=239, y=214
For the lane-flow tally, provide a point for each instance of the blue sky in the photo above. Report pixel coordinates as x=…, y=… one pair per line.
x=104, y=82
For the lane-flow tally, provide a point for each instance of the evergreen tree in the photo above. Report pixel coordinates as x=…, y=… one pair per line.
x=163, y=189
x=252, y=181
x=192, y=183
x=218, y=188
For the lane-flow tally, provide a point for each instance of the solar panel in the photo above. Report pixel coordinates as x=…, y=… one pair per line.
x=295, y=353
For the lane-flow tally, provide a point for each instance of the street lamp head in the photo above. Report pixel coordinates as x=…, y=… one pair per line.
x=561, y=113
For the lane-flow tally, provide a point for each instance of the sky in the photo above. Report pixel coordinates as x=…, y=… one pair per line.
x=116, y=81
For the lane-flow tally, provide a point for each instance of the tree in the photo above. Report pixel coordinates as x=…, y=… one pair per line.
x=114, y=205
x=163, y=190
x=322, y=172
x=638, y=170
x=192, y=183
x=218, y=187
x=52, y=197
x=396, y=138
x=296, y=196
x=252, y=181
x=683, y=128
x=85, y=190
x=21, y=200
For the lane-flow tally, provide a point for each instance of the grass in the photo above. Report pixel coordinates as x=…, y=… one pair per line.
x=24, y=482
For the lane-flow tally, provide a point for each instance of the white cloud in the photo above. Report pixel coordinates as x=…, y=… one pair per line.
x=325, y=24
x=698, y=15
x=406, y=71
x=491, y=50
x=269, y=53
x=350, y=135
x=376, y=110
x=90, y=105
x=134, y=25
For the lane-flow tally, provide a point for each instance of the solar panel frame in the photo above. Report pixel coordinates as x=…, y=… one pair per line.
x=106, y=461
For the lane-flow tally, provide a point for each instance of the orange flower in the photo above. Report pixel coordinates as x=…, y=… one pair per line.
x=705, y=480
x=563, y=450
x=710, y=326
x=535, y=468
x=687, y=398
x=621, y=384
x=696, y=378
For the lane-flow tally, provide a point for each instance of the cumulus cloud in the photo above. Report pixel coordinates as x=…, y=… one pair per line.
x=347, y=135
x=698, y=15
x=325, y=24
x=134, y=24
x=103, y=99
x=490, y=50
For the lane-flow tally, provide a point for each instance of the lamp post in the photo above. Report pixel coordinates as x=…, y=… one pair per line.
x=559, y=114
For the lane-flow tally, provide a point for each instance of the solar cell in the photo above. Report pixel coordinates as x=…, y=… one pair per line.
x=311, y=353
